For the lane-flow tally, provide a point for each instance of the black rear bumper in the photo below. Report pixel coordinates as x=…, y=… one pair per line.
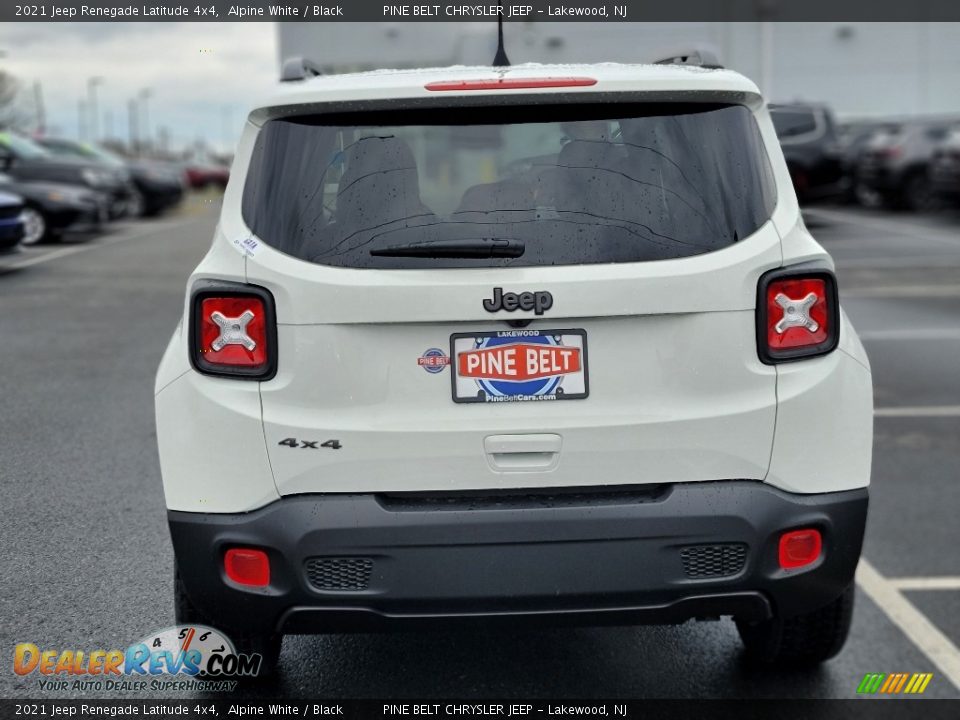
x=660, y=554
x=76, y=217
x=157, y=196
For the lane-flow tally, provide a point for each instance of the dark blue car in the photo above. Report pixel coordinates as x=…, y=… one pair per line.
x=11, y=222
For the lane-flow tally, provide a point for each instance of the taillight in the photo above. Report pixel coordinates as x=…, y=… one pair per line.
x=798, y=314
x=233, y=331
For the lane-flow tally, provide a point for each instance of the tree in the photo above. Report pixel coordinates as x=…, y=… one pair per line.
x=12, y=113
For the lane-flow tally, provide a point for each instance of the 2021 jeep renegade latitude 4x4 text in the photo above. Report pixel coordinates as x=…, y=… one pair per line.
x=539, y=343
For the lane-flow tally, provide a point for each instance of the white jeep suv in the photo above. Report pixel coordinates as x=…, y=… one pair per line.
x=537, y=343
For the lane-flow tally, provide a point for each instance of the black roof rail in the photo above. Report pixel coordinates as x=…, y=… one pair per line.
x=699, y=58
x=298, y=68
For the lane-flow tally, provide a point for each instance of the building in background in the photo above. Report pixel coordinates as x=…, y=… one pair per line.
x=861, y=69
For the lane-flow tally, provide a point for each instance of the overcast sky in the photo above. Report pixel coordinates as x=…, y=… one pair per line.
x=203, y=76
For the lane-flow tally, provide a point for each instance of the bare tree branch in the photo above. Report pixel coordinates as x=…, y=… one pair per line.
x=13, y=114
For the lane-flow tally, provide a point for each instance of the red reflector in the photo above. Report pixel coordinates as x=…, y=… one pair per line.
x=511, y=83
x=799, y=548
x=233, y=331
x=798, y=314
x=246, y=566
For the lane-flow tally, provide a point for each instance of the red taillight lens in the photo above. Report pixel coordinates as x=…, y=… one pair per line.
x=246, y=566
x=511, y=83
x=798, y=315
x=234, y=332
x=799, y=548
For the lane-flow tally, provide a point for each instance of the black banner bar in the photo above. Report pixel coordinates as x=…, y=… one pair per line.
x=873, y=708
x=478, y=10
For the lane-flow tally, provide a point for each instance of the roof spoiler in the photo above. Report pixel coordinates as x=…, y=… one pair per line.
x=696, y=57
x=298, y=68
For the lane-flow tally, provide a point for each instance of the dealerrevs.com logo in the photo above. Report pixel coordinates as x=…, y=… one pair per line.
x=183, y=657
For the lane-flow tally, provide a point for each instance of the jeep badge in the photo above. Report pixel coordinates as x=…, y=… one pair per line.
x=536, y=301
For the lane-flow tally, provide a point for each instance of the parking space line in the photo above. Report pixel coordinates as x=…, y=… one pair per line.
x=925, y=583
x=914, y=262
x=903, y=291
x=885, y=225
x=922, y=411
x=914, y=624
x=911, y=334
x=74, y=249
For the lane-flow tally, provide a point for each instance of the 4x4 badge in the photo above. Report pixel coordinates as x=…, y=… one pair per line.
x=536, y=301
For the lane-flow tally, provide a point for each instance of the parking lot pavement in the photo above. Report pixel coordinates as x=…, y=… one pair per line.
x=194, y=205
x=900, y=283
x=87, y=558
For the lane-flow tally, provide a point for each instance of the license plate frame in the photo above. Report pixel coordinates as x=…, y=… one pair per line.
x=507, y=391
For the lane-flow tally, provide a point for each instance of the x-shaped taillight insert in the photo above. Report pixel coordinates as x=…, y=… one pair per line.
x=233, y=331
x=796, y=313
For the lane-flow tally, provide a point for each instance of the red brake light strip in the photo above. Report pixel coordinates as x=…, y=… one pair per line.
x=511, y=83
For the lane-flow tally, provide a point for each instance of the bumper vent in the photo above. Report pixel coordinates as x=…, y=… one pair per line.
x=339, y=573
x=711, y=561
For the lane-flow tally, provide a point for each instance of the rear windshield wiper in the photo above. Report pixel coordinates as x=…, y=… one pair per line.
x=472, y=248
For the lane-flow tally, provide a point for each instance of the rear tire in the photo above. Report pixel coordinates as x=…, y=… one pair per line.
x=35, y=228
x=806, y=639
x=918, y=194
x=867, y=197
x=136, y=205
x=267, y=646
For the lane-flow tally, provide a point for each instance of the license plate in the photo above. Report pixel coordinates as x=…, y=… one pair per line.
x=519, y=366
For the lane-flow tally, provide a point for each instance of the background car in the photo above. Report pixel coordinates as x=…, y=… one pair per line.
x=11, y=222
x=25, y=160
x=808, y=137
x=853, y=138
x=896, y=163
x=945, y=169
x=157, y=186
x=51, y=208
x=204, y=174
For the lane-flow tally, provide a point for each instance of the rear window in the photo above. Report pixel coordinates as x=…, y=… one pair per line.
x=509, y=186
x=937, y=133
x=791, y=123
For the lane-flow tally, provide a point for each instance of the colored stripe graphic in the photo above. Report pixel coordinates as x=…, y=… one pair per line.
x=870, y=683
x=903, y=679
x=894, y=683
x=918, y=683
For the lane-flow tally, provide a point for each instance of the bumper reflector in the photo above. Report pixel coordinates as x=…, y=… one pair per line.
x=246, y=566
x=799, y=548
